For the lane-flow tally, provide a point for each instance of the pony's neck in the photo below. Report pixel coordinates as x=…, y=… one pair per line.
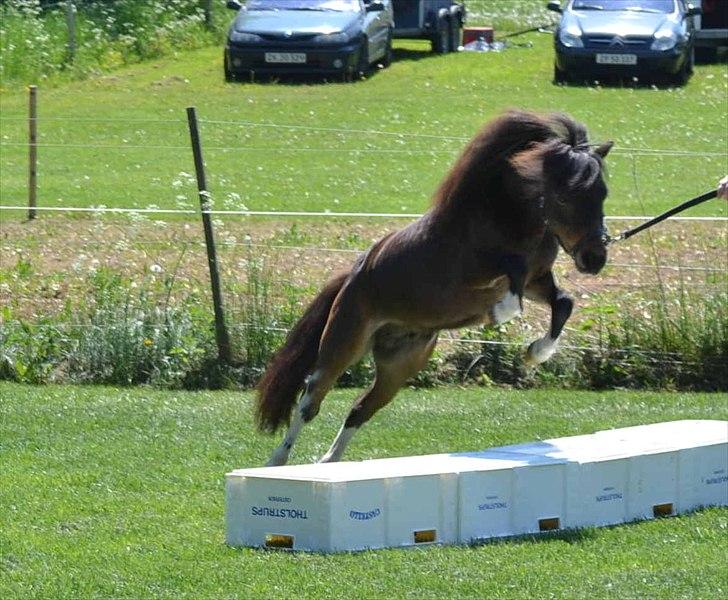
x=480, y=203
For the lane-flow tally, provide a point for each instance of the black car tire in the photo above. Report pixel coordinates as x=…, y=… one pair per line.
x=388, y=52
x=441, y=41
x=229, y=75
x=683, y=75
x=362, y=63
x=456, y=34
x=559, y=75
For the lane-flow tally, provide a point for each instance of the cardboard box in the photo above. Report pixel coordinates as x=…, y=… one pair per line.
x=342, y=506
x=598, y=479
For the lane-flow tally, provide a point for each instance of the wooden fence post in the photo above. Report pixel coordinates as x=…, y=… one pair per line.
x=32, y=151
x=221, y=332
x=207, y=8
x=71, y=24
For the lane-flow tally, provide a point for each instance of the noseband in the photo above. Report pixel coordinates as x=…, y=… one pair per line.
x=601, y=235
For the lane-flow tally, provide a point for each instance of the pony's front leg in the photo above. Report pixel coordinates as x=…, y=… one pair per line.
x=511, y=304
x=545, y=290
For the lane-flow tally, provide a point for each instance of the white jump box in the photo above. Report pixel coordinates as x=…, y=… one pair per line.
x=604, y=478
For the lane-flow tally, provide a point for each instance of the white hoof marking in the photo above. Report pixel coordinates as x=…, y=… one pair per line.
x=340, y=443
x=506, y=308
x=541, y=350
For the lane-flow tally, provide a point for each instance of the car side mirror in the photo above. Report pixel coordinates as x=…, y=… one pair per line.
x=554, y=6
x=693, y=11
x=374, y=6
x=234, y=5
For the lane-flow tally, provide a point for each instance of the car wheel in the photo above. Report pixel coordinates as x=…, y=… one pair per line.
x=559, y=75
x=441, y=41
x=362, y=64
x=683, y=75
x=229, y=75
x=456, y=34
x=388, y=53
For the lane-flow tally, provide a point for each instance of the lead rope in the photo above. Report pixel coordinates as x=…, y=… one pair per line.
x=673, y=211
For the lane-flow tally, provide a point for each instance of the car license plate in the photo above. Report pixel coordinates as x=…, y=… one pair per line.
x=617, y=59
x=297, y=58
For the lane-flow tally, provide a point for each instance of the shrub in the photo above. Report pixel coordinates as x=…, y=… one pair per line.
x=152, y=333
x=34, y=35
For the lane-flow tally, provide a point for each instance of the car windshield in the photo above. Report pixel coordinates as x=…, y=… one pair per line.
x=653, y=6
x=323, y=5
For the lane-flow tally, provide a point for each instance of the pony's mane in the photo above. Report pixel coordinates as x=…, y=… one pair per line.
x=537, y=143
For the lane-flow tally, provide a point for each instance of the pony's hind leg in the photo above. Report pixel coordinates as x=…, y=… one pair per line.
x=545, y=290
x=345, y=339
x=398, y=355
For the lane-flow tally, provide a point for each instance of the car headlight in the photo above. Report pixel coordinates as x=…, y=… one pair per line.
x=331, y=38
x=571, y=38
x=665, y=39
x=241, y=37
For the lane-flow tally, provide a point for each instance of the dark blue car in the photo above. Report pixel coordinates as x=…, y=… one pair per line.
x=323, y=37
x=644, y=38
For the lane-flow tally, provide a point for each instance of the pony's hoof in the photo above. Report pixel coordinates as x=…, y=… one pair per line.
x=278, y=459
x=539, y=351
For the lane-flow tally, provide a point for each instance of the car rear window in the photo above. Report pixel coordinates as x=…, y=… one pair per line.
x=336, y=5
x=658, y=6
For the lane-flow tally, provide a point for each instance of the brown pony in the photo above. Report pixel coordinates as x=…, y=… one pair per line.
x=525, y=185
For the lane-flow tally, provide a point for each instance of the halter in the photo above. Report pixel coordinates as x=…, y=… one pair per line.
x=602, y=233
x=608, y=239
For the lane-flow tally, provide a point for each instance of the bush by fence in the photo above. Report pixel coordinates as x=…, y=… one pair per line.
x=37, y=40
x=124, y=308
x=117, y=297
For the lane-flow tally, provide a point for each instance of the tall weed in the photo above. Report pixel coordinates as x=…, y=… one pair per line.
x=34, y=35
x=150, y=333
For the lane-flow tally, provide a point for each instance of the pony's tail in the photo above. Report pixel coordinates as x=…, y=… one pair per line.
x=280, y=385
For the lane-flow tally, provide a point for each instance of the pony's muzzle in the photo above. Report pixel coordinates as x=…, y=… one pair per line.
x=591, y=259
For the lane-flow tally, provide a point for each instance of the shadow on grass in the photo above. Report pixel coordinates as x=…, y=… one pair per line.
x=576, y=536
x=410, y=54
x=570, y=536
x=297, y=79
x=621, y=82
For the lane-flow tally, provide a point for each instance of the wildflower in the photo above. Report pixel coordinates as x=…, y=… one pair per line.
x=148, y=342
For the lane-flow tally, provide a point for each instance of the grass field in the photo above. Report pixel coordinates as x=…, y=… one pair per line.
x=118, y=493
x=121, y=139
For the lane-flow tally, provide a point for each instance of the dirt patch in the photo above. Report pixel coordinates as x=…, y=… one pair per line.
x=48, y=262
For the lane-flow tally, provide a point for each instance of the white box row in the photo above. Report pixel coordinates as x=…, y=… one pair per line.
x=600, y=479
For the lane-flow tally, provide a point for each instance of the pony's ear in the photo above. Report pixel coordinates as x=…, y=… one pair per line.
x=603, y=149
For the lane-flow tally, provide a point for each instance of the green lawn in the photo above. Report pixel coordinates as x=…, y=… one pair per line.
x=119, y=493
x=435, y=102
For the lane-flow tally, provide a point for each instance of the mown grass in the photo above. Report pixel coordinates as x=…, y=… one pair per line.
x=119, y=493
x=270, y=168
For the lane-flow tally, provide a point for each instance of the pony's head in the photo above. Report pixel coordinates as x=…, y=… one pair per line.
x=564, y=175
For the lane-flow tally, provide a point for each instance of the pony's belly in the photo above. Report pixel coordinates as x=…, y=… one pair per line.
x=462, y=310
